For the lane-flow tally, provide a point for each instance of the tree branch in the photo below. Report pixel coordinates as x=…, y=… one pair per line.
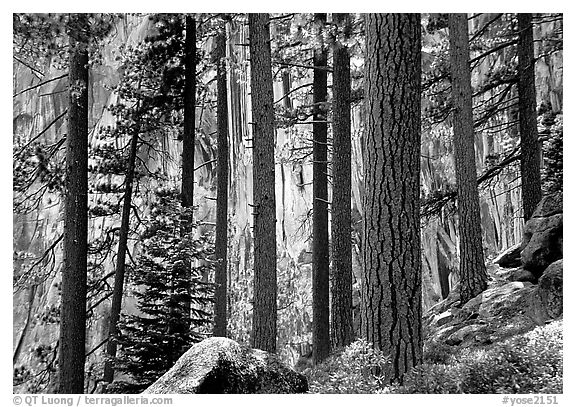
x=205, y=164
x=434, y=205
x=29, y=66
x=40, y=84
x=39, y=134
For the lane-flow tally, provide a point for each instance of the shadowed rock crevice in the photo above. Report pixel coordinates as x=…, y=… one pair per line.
x=542, y=243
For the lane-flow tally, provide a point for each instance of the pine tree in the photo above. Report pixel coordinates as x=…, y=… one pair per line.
x=189, y=113
x=153, y=340
x=342, y=330
x=265, y=280
x=320, y=244
x=147, y=94
x=392, y=278
x=221, y=249
x=188, y=147
x=529, y=144
x=74, y=270
x=119, y=272
x=473, y=277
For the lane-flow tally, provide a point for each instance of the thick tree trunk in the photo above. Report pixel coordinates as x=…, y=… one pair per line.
x=391, y=235
x=320, y=246
x=265, y=284
x=119, y=273
x=221, y=247
x=342, y=329
x=473, y=277
x=189, y=113
x=529, y=146
x=73, y=309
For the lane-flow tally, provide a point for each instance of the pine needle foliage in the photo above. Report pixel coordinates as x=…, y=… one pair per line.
x=153, y=340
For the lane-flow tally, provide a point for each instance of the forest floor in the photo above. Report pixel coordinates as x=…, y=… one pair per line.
x=501, y=341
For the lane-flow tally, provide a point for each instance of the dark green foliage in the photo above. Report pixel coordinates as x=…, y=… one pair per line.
x=437, y=353
x=33, y=162
x=40, y=40
x=40, y=43
x=551, y=132
x=36, y=377
x=530, y=363
x=152, y=341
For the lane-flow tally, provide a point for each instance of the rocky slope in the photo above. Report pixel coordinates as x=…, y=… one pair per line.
x=517, y=300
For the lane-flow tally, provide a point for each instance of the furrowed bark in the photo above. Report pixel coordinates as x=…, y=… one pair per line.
x=320, y=244
x=342, y=328
x=189, y=135
x=221, y=246
x=473, y=277
x=529, y=145
x=75, y=244
x=391, y=286
x=265, y=284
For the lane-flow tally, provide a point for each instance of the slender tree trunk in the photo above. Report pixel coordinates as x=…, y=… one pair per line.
x=391, y=234
x=443, y=274
x=342, y=328
x=189, y=113
x=188, y=146
x=320, y=245
x=473, y=278
x=265, y=284
x=221, y=249
x=119, y=273
x=73, y=309
x=529, y=146
x=286, y=84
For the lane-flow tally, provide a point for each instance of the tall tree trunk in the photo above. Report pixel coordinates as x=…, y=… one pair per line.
x=188, y=146
x=391, y=234
x=189, y=113
x=73, y=309
x=342, y=330
x=265, y=284
x=320, y=246
x=119, y=273
x=529, y=146
x=473, y=278
x=221, y=249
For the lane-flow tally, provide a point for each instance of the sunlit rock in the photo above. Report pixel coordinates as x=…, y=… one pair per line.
x=221, y=365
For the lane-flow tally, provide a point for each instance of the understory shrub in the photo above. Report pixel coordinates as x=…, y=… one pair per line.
x=356, y=369
x=529, y=363
x=438, y=353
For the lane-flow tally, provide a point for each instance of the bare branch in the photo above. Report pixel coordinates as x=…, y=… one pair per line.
x=29, y=66
x=205, y=163
x=40, y=84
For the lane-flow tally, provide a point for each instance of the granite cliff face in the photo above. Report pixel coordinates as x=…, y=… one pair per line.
x=37, y=232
